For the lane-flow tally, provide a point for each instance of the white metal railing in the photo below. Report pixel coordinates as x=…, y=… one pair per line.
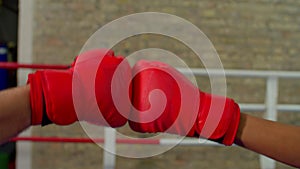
x=270, y=107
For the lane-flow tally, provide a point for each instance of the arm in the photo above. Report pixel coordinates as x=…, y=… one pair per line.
x=278, y=141
x=48, y=97
x=15, y=112
x=273, y=139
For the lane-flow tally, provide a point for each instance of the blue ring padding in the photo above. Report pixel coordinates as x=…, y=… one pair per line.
x=3, y=72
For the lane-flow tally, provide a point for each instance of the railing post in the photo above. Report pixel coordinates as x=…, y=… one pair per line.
x=25, y=43
x=109, y=152
x=270, y=114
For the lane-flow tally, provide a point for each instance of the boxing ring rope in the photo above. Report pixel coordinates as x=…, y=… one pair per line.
x=270, y=107
x=83, y=140
x=164, y=141
x=15, y=65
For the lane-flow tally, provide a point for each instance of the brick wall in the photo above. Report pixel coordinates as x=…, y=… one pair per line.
x=253, y=34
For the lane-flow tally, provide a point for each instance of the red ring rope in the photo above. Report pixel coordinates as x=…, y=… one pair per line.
x=15, y=65
x=84, y=140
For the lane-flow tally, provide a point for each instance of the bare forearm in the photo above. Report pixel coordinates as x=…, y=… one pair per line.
x=276, y=140
x=15, y=112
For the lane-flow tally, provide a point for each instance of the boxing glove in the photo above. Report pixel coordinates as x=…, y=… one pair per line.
x=52, y=91
x=164, y=100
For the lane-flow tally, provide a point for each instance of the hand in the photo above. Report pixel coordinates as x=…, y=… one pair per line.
x=51, y=91
x=184, y=109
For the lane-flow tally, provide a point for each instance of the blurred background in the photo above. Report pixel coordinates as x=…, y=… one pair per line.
x=248, y=35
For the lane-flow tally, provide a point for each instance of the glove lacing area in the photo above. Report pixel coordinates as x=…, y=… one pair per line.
x=218, y=118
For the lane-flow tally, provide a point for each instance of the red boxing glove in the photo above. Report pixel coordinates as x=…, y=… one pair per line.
x=51, y=91
x=166, y=101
